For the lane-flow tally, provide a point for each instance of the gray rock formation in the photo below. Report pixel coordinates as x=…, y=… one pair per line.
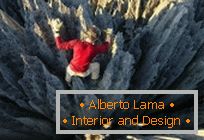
x=157, y=45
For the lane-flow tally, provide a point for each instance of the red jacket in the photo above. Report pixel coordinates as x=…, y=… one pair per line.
x=83, y=52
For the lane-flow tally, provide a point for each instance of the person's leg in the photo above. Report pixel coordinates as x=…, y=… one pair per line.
x=68, y=76
x=95, y=70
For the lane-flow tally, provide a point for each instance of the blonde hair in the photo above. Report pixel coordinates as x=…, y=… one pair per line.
x=92, y=32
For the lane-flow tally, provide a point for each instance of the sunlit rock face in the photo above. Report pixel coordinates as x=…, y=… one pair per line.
x=158, y=44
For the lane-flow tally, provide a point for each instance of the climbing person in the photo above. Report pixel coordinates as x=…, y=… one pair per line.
x=84, y=51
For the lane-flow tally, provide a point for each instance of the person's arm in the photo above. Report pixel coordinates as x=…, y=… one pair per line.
x=108, y=42
x=56, y=25
x=102, y=48
x=65, y=45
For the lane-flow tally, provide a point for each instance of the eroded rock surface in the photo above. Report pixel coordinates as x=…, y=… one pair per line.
x=157, y=45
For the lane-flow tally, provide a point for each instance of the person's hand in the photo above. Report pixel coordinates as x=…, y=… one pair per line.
x=109, y=36
x=108, y=31
x=56, y=25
